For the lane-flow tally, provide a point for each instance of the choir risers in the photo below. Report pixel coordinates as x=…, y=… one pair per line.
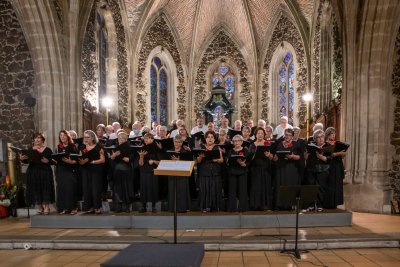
x=195, y=220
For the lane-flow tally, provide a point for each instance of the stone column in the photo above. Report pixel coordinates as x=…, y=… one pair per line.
x=366, y=102
x=44, y=41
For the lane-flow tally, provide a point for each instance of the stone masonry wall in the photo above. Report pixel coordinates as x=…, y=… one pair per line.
x=17, y=81
x=395, y=136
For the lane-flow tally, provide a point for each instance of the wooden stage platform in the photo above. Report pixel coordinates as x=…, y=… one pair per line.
x=195, y=220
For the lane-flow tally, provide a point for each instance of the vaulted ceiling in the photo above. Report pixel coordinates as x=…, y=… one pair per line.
x=248, y=21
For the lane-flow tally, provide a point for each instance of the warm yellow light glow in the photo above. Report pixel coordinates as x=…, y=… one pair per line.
x=107, y=102
x=307, y=97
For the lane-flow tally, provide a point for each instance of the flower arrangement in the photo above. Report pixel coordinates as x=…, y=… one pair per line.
x=8, y=192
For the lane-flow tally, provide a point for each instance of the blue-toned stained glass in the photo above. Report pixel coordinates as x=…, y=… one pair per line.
x=287, y=58
x=282, y=90
x=163, y=96
x=153, y=92
x=217, y=80
x=291, y=87
x=229, y=81
x=218, y=115
x=230, y=87
x=223, y=70
x=157, y=61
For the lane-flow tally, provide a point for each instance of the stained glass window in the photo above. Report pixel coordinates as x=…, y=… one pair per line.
x=159, y=92
x=225, y=78
x=102, y=53
x=153, y=92
x=163, y=95
x=286, y=87
x=218, y=115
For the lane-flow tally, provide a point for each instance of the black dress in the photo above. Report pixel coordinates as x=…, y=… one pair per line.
x=286, y=172
x=39, y=181
x=149, y=181
x=210, y=185
x=318, y=174
x=237, y=182
x=182, y=192
x=261, y=193
x=301, y=163
x=335, y=182
x=123, y=179
x=92, y=179
x=67, y=180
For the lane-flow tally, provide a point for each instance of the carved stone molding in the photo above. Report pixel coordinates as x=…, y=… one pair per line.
x=134, y=11
x=122, y=57
x=337, y=61
x=285, y=30
x=159, y=34
x=394, y=173
x=316, y=61
x=223, y=46
x=89, y=65
x=90, y=62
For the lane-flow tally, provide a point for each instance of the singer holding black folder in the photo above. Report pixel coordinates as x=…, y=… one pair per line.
x=91, y=161
x=261, y=194
x=66, y=175
x=122, y=177
x=336, y=169
x=182, y=183
x=148, y=161
x=286, y=172
x=210, y=176
x=39, y=176
x=237, y=161
x=318, y=158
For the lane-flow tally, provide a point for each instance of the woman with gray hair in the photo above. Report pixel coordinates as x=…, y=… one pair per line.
x=336, y=170
x=318, y=160
x=91, y=161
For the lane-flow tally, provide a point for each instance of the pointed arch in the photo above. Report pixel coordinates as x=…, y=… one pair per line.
x=162, y=73
x=285, y=31
x=282, y=77
x=158, y=35
x=220, y=47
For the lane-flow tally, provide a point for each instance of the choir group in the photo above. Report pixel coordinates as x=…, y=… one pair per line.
x=238, y=169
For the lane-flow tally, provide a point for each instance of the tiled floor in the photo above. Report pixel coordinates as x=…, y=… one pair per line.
x=363, y=225
x=340, y=257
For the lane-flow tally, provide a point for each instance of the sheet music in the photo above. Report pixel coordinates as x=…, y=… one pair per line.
x=175, y=165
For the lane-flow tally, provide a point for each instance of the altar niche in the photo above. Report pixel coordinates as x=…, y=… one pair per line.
x=218, y=106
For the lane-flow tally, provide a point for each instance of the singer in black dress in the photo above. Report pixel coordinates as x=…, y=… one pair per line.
x=148, y=161
x=336, y=171
x=92, y=172
x=39, y=176
x=318, y=165
x=260, y=179
x=286, y=172
x=182, y=182
x=209, y=177
x=123, y=176
x=66, y=175
x=238, y=176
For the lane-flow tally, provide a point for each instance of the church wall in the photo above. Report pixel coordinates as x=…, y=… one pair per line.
x=159, y=34
x=222, y=47
x=17, y=81
x=117, y=84
x=286, y=31
x=395, y=134
x=366, y=100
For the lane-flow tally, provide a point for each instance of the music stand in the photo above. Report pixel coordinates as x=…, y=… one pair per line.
x=289, y=195
x=175, y=168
